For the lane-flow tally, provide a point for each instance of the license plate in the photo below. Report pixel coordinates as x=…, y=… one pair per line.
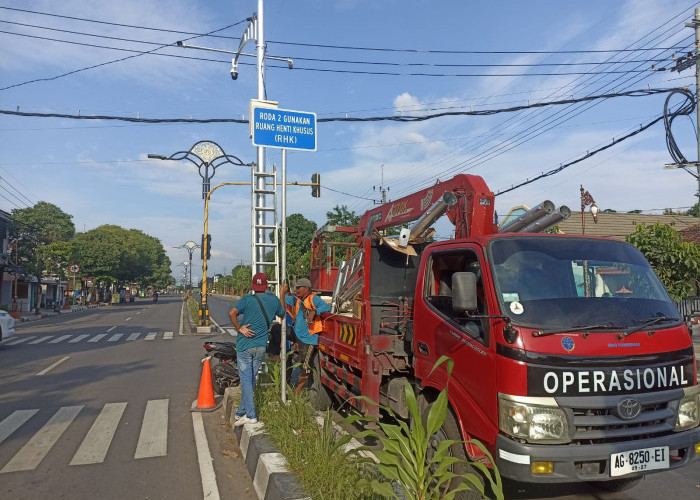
x=642, y=460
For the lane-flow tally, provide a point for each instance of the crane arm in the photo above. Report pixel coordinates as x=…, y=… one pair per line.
x=472, y=215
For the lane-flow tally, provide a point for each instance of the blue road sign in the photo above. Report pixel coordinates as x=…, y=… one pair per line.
x=284, y=128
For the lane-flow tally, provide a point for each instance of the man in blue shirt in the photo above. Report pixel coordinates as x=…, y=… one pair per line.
x=307, y=308
x=258, y=311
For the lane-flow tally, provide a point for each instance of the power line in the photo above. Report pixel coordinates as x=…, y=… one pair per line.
x=542, y=127
x=419, y=118
x=105, y=63
x=314, y=59
x=486, y=52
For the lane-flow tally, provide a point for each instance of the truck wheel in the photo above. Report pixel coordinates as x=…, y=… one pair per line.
x=618, y=484
x=318, y=394
x=450, y=430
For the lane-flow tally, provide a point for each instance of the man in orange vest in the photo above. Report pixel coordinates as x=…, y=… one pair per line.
x=306, y=310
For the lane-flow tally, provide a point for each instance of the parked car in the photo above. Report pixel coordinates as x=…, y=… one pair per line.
x=7, y=325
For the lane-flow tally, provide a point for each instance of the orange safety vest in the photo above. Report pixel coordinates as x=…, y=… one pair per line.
x=315, y=325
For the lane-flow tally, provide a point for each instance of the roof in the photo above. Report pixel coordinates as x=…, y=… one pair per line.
x=691, y=234
x=618, y=226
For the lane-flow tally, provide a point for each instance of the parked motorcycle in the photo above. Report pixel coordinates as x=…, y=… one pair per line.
x=226, y=369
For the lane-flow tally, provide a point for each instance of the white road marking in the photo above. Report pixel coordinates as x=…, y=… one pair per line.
x=98, y=337
x=41, y=339
x=60, y=339
x=47, y=370
x=79, y=338
x=133, y=336
x=210, y=489
x=94, y=447
x=151, y=335
x=14, y=422
x=19, y=341
x=41, y=443
x=127, y=319
x=231, y=331
x=111, y=328
x=167, y=335
x=153, y=440
x=115, y=337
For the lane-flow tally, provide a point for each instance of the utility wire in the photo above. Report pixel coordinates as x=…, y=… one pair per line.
x=301, y=68
x=109, y=62
x=420, y=118
x=584, y=157
x=422, y=51
x=314, y=59
x=342, y=47
x=531, y=132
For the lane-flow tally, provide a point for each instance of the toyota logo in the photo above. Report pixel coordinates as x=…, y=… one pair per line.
x=629, y=408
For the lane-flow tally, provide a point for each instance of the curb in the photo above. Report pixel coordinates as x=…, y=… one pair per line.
x=48, y=314
x=266, y=465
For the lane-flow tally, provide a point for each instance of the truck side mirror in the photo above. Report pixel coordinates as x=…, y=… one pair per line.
x=464, y=292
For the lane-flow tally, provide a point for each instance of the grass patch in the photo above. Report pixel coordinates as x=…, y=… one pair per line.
x=314, y=453
x=193, y=308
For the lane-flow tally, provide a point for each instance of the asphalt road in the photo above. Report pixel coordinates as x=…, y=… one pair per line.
x=96, y=404
x=682, y=485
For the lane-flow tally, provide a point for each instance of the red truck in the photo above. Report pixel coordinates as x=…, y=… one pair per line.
x=571, y=363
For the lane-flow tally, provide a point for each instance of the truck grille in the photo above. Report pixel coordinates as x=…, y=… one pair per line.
x=595, y=420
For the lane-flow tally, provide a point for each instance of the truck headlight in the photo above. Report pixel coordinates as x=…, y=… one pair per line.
x=536, y=423
x=689, y=410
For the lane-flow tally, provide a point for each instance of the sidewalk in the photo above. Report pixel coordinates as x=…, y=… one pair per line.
x=45, y=313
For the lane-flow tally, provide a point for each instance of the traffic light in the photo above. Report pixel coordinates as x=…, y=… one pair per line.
x=316, y=187
x=201, y=247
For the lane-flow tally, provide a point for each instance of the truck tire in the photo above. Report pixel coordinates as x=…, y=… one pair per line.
x=318, y=393
x=450, y=430
x=618, y=484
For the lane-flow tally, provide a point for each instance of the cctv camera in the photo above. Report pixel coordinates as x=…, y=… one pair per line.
x=234, y=74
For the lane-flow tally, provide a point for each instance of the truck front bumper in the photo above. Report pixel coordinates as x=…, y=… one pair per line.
x=575, y=463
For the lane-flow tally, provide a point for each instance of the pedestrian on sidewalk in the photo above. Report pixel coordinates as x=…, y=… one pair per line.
x=307, y=308
x=258, y=310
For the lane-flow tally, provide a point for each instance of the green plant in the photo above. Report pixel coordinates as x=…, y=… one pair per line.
x=676, y=262
x=405, y=458
x=193, y=308
x=315, y=454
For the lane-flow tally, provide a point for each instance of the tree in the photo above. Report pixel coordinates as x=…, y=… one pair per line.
x=56, y=257
x=694, y=211
x=35, y=227
x=241, y=276
x=341, y=216
x=676, y=262
x=128, y=255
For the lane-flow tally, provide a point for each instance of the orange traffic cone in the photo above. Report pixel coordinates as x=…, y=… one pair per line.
x=205, y=399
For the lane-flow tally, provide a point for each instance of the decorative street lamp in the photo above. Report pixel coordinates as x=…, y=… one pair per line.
x=205, y=155
x=190, y=246
x=586, y=200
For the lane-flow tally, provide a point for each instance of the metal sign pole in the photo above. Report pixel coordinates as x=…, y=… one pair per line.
x=283, y=269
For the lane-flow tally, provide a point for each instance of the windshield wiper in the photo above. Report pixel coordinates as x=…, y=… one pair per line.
x=575, y=328
x=646, y=323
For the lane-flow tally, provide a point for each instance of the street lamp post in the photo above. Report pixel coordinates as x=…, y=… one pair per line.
x=586, y=200
x=207, y=156
x=190, y=246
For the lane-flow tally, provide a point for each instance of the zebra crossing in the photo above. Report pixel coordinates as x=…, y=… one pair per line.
x=95, y=445
x=87, y=337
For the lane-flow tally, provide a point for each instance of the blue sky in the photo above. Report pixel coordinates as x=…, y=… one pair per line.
x=528, y=52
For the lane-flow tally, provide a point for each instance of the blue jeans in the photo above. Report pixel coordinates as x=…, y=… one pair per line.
x=249, y=362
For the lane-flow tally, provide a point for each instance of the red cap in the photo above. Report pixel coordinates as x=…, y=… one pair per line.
x=259, y=282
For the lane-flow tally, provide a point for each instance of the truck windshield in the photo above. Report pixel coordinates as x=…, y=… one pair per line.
x=563, y=283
